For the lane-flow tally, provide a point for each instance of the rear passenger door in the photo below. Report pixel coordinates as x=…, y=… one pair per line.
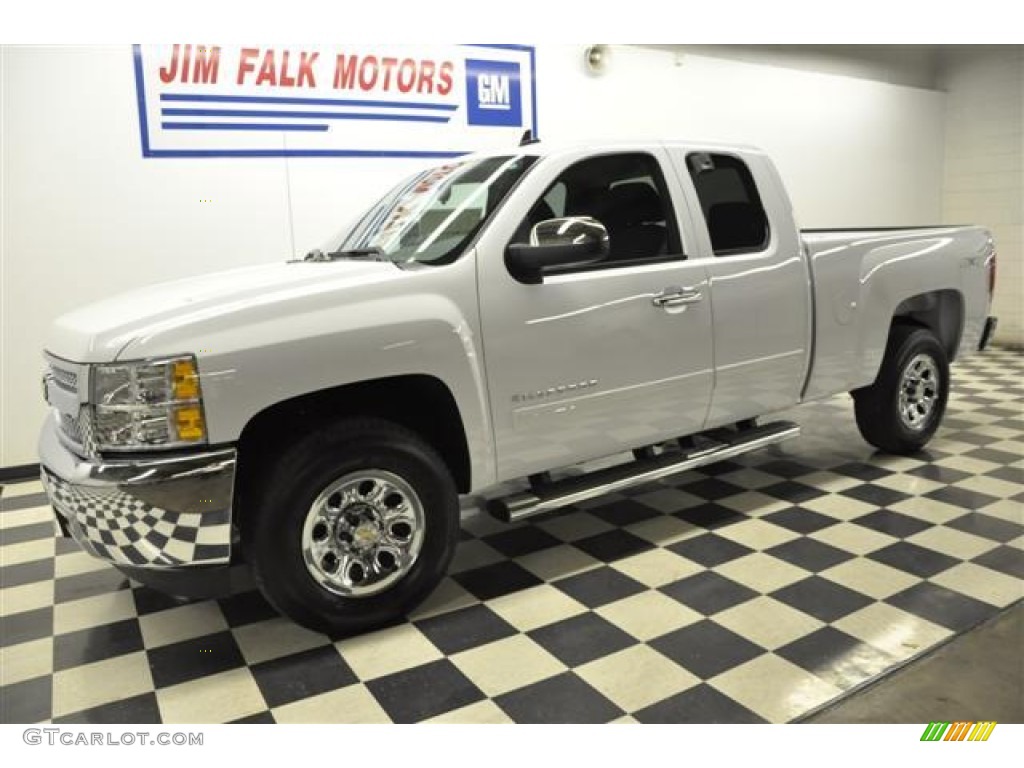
x=760, y=284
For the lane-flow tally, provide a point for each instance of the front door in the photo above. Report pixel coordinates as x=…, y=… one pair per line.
x=602, y=358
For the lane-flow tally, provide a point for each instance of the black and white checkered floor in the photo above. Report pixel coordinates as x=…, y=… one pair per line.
x=750, y=591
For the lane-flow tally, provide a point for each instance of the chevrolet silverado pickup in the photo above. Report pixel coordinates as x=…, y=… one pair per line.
x=487, y=324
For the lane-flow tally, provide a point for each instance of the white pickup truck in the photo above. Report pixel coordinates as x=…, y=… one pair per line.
x=491, y=320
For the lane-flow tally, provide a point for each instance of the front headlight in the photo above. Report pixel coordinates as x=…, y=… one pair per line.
x=147, y=404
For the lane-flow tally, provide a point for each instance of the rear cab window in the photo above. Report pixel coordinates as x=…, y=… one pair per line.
x=732, y=208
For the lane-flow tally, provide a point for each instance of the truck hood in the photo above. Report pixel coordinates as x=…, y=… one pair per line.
x=99, y=332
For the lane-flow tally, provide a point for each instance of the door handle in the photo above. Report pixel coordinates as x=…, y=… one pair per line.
x=677, y=297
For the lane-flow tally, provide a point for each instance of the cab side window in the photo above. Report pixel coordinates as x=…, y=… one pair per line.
x=626, y=193
x=732, y=207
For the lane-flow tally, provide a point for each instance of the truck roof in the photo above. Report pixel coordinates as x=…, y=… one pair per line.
x=552, y=148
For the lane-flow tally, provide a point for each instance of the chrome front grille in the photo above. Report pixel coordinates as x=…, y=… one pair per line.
x=78, y=430
x=65, y=379
x=69, y=424
x=64, y=393
x=85, y=430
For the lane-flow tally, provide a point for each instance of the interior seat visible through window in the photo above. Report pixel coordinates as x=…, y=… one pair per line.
x=635, y=219
x=730, y=202
x=627, y=194
x=736, y=226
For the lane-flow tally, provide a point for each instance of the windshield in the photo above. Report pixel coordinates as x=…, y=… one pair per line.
x=433, y=215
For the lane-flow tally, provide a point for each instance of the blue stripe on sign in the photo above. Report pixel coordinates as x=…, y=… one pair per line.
x=241, y=127
x=317, y=102
x=315, y=115
x=419, y=154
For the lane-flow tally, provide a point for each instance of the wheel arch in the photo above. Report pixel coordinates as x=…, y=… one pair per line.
x=940, y=311
x=418, y=402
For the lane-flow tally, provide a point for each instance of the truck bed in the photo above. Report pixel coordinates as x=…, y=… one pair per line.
x=861, y=230
x=858, y=273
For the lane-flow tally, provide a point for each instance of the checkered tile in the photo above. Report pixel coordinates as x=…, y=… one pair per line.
x=818, y=565
x=120, y=527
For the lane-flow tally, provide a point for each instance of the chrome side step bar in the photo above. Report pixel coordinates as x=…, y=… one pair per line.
x=719, y=446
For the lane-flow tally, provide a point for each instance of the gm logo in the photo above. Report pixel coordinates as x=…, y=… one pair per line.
x=493, y=93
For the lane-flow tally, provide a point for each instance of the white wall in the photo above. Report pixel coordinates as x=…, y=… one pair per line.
x=85, y=215
x=984, y=169
x=852, y=151
x=913, y=65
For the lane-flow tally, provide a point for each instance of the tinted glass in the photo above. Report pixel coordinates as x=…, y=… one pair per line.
x=730, y=202
x=627, y=194
x=432, y=216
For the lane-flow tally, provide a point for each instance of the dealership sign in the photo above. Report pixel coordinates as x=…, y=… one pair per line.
x=332, y=101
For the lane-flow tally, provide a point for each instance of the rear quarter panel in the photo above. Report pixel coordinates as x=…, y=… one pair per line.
x=860, y=278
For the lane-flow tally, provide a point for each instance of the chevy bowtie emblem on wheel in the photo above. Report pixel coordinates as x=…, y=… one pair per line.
x=958, y=731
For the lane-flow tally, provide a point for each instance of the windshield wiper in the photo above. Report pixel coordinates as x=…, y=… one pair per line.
x=358, y=253
x=352, y=253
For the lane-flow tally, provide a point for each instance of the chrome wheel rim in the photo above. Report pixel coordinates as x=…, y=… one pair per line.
x=363, y=533
x=919, y=392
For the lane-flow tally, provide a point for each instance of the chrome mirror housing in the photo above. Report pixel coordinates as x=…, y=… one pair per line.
x=568, y=241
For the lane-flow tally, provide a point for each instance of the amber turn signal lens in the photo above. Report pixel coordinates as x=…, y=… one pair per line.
x=189, y=422
x=185, y=380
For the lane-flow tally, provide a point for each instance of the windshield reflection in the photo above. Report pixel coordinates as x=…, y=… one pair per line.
x=432, y=216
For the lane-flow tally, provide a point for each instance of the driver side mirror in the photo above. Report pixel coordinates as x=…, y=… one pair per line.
x=564, y=242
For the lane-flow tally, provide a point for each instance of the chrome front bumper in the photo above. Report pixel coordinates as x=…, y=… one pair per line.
x=142, y=513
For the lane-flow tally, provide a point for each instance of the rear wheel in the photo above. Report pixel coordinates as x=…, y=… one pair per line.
x=354, y=526
x=901, y=411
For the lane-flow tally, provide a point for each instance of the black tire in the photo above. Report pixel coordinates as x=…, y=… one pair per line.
x=880, y=418
x=273, y=527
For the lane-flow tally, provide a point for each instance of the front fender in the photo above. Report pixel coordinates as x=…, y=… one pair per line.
x=424, y=322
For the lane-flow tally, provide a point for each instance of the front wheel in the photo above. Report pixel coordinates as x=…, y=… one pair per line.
x=355, y=525
x=901, y=411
